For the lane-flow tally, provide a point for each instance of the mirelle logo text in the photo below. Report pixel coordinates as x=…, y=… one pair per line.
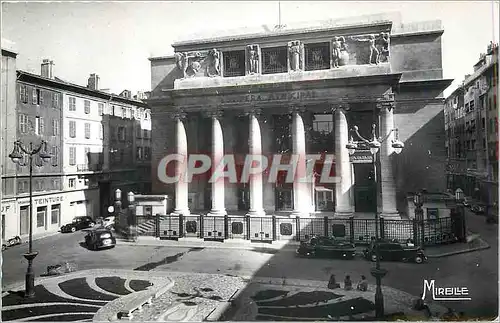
x=445, y=293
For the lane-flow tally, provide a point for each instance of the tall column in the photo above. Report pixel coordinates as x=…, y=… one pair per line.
x=344, y=202
x=218, y=207
x=387, y=183
x=181, y=186
x=301, y=192
x=255, y=149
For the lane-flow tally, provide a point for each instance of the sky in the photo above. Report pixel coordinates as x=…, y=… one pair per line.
x=115, y=39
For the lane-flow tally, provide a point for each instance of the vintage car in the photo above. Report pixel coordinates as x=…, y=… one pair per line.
x=11, y=242
x=78, y=223
x=326, y=247
x=108, y=222
x=100, y=238
x=395, y=251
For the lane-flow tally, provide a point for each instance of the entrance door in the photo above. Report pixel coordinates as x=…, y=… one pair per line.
x=104, y=198
x=284, y=199
x=364, y=192
x=24, y=220
x=243, y=199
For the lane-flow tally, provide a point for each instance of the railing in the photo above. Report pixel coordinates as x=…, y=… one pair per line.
x=274, y=228
x=89, y=167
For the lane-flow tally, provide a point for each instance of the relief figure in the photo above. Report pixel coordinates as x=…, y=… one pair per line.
x=383, y=42
x=374, y=52
x=214, y=63
x=253, y=59
x=181, y=60
x=295, y=50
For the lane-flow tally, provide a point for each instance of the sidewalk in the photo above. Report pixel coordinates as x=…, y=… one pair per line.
x=431, y=251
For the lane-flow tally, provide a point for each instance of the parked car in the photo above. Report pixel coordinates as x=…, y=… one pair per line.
x=326, y=247
x=11, y=242
x=477, y=208
x=100, y=238
x=395, y=251
x=108, y=222
x=78, y=223
x=467, y=202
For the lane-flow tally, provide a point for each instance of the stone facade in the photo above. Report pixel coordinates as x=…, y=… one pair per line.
x=310, y=87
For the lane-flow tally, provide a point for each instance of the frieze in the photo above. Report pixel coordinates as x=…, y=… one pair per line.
x=264, y=97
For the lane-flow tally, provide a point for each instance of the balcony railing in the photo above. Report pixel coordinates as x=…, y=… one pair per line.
x=89, y=167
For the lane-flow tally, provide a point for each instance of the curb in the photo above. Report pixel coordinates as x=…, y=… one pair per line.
x=457, y=252
x=189, y=244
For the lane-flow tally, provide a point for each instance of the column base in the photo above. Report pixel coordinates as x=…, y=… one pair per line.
x=256, y=213
x=390, y=215
x=183, y=212
x=343, y=214
x=217, y=212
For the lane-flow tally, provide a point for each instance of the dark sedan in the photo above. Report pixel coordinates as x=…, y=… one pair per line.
x=78, y=223
x=99, y=239
x=394, y=251
x=327, y=248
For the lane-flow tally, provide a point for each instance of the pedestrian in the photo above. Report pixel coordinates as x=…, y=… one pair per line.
x=347, y=283
x=332, y=284
x=363, y=284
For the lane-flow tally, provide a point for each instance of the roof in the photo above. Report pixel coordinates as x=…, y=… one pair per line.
x=9, y=46
x=64, y=85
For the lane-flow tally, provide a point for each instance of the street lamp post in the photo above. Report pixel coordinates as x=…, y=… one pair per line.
x=374, y=146
x=419, y=215
x=17, y=155
x=459, y=198
x=131, y=217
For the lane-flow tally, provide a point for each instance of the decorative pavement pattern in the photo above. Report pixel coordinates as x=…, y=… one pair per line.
x=74, y=297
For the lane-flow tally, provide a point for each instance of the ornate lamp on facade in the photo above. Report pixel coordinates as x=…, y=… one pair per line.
x=374, y=145
x=17, y=155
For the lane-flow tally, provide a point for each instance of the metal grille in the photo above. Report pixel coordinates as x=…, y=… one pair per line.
x=364, y=230
x=169, y=226
x=274, y=60
x=237, y=227
x=234, y=63
x=213, y=227
x=438, y=231
x=400, y=230
x=317, y=56
x=309, y=227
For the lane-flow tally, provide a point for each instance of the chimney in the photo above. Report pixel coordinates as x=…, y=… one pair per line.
x=93, y=82
x=47, y=69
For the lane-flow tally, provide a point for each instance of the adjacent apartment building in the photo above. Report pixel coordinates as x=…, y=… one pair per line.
x=471, y=125
x=89, y=132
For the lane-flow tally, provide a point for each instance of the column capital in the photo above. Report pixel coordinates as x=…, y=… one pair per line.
x=296, y=108
x=341, y=107
x=389, y=105
x=253, y=111
x=178, y=115
x=213, y=112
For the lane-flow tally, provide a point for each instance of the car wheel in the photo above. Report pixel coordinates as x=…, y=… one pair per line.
x=91, y=224
x=419, y=259
x=4, y=247
x=18, y=240
x=73, y=229
x=374, y=258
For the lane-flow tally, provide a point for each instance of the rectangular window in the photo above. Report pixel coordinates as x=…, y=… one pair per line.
x=37, y=125
x=100, y=108
x=24, y=94
x=483, y=122
x=40, y=96
x=54, y=213
x=139, y=153
x=121, y=133
x=147, y=153
x=72, y=155
x=55, y=156
x=55, y=127
x=72, y=103
x=39, y=186
x=138, y=132
x=34, y=97
x=101, y=131
x=274, y=60
x=41, y=126
x=124, y=113
x=87, y=130
x=41, y=213
x=234, y=63
x=25, y=220
x=72, y=129
x=23, y=123
x=72, y=183
x=317, y=56
x=472, y=105
x=87, y=106
x=146, y=134
x=55, y=100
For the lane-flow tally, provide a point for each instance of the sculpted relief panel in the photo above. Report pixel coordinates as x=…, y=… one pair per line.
x=199, y=63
